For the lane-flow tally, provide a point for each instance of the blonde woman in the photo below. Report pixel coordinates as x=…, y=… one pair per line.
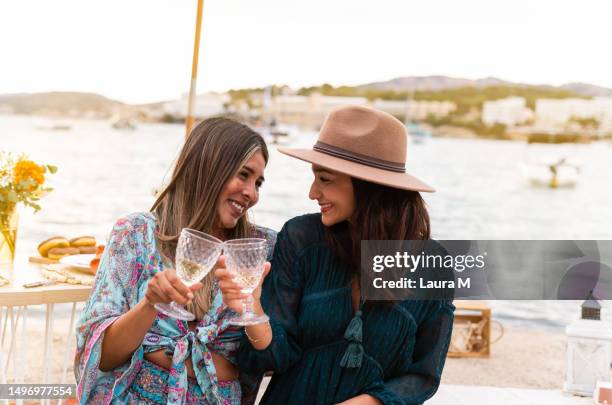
x=127, y=352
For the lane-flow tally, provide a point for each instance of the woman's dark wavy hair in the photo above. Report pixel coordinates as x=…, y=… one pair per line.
x=381, y=213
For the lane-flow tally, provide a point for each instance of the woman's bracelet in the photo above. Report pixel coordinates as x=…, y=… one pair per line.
x=256, y=340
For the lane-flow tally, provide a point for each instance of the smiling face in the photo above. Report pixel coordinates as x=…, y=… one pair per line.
x=334, y=193
x=241, y=192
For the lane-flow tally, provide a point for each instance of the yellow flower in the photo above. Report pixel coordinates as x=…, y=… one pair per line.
x=26, y=169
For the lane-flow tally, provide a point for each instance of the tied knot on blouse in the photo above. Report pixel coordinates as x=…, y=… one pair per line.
x=194, y=344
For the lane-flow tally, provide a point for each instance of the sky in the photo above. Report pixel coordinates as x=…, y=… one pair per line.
x=139, y=51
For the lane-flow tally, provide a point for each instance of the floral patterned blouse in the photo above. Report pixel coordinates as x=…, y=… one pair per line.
x=129, y=261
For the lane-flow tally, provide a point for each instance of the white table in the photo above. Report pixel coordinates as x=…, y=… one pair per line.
x=14, y=302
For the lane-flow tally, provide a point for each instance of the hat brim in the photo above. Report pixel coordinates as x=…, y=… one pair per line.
x=402, y=181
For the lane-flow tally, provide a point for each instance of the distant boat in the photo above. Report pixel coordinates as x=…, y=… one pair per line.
x=559, y=174
x=57, y=127
x=276, y=134
x=551, y=160
x=416, y=133
x=272, y=132
x=123, y=124
x=279, y=137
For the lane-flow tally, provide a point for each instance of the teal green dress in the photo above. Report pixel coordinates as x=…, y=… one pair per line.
x=322, y=352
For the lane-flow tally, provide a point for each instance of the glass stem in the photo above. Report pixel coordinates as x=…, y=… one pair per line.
x=247, y=305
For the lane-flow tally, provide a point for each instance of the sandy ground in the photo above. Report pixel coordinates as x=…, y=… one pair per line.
x=523, y=358
x=33, y=352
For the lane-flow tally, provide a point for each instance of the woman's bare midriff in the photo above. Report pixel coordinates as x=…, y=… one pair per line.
x=226, y=371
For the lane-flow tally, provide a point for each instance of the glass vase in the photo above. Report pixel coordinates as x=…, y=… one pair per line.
x=8, y=237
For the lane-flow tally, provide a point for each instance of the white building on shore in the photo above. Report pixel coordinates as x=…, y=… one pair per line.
x=307, y=111
x=206, y=105
x=310, y=111
x=393, y=107
x=510, y=111
x=6, y=109
x=605, y=114
x=417, y=110
x=605, y=126
x=556, y=114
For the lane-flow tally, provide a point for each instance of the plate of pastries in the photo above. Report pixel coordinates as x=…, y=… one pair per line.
x=82, y=253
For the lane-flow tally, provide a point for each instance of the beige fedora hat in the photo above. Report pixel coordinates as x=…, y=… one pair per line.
x=364, y=143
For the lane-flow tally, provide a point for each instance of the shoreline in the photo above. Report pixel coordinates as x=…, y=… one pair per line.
x=443, y=131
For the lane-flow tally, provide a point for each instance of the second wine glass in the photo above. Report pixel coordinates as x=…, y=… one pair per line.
x=246, y=258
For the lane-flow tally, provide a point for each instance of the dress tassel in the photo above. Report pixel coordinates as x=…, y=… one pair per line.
x=353, y=332
x=353, y=356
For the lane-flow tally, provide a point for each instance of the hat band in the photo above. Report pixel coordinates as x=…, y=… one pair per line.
x=358, y=158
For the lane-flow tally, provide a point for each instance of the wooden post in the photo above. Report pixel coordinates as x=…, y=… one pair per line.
x=194, y=70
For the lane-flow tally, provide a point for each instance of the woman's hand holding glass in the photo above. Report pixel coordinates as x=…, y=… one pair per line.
x=196, y=255
x=166, y=287
x=246, y=258
x=233, y=296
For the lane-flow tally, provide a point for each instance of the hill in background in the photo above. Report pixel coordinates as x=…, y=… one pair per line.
x=588, y=89
x=61, y=104
x=432, y=83
x=435, y=83
x=467, y=94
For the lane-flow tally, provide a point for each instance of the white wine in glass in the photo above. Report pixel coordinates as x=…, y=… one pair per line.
x=196, y=255
x=246, y=259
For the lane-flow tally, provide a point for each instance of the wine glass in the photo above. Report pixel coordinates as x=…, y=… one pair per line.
x=246, y=258
x=196, y=255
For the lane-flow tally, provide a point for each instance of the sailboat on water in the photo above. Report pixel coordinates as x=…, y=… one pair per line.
x=553, y=160
x=416, y=133
x=273, y=132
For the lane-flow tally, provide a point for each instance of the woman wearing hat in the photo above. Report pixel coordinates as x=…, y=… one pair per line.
x=324, y=342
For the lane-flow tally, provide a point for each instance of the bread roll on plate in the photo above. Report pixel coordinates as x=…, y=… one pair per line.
x=87, y=250
x=83, y=241
x=54, y=242
x=58, y=253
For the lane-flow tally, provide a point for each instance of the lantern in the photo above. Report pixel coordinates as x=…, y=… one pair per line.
x=588, y=350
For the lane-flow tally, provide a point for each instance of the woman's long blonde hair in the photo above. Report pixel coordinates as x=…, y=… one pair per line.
x=214, y=152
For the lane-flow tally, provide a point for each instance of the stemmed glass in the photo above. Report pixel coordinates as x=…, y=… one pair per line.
x=196, y=255
x=246, y=258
